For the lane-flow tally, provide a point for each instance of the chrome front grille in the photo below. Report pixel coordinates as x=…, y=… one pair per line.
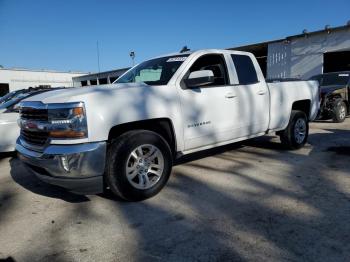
x=34, y=137
x=34, y=114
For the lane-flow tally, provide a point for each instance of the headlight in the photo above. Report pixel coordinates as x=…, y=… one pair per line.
x=67, y=122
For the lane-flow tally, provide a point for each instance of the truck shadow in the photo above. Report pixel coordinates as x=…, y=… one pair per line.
x=7, y=154
x=28, y=181
x=207, y=153
x=328, y=120
x=310, y=223
x=261, y=142
x=341, y=150
x=197, y=219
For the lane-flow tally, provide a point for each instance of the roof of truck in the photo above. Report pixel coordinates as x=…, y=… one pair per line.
x=198, y=50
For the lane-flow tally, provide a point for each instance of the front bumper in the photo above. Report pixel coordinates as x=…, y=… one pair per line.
x=78, y=168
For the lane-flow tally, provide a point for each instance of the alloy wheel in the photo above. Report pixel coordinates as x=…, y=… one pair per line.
x=145, y=166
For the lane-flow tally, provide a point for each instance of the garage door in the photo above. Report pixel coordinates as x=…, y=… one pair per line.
x=336, y=61
x=4, y=89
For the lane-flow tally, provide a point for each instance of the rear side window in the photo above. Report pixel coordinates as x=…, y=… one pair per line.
x=245, y=69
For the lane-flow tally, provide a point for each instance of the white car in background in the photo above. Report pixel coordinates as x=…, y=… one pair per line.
x=9, y=113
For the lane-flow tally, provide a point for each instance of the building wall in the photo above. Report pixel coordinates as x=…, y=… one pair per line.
x=18, y=79
x=302, y=57
x=101, y=78
x=278, y=60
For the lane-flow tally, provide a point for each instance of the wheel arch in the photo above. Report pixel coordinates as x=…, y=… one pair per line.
x=303, y=105
x=347, y=105
x=162, y=126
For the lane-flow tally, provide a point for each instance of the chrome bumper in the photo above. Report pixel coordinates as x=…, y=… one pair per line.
x=78, y=168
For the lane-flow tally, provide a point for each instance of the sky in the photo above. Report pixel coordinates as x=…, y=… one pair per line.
x=62, y=34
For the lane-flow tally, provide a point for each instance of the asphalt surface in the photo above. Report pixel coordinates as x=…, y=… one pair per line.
x=245, y=202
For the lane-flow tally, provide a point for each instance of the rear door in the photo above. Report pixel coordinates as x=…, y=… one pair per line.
x=252, y=95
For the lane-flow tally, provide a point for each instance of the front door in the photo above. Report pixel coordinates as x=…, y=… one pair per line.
x=208, y=112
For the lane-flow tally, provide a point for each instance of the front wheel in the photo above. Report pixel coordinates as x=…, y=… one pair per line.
x=339, y=112
x=297, y=131
x=139, y=165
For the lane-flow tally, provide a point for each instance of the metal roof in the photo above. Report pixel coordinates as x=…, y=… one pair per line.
x=42, y=70
x=325, y=30
x=116, y=72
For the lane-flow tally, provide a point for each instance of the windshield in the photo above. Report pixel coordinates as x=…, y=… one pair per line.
x=153, y=72
x=334, y=79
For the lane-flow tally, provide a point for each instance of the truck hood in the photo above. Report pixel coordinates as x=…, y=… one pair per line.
x=81, y=94
x=109, y=105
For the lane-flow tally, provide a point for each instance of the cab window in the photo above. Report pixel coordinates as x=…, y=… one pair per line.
x=215, y=63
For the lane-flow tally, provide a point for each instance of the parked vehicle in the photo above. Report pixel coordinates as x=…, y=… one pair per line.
x=126, y=135
x=9, y=130
x=335, y=100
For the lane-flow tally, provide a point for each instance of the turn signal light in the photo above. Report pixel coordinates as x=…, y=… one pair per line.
x=67, y=134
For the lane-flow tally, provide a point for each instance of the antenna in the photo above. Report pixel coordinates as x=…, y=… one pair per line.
x=98, y=56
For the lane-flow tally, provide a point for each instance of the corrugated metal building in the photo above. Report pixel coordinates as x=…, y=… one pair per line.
x=304, y=55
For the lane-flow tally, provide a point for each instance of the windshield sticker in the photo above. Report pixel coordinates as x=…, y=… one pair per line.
x=177, y=59
x=343, y=75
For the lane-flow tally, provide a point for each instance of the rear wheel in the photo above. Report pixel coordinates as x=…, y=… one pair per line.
x=139, y=165
x=339, y=112
x=297, y=131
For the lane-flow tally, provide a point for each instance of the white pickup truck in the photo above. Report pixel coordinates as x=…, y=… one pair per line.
x=125, y=136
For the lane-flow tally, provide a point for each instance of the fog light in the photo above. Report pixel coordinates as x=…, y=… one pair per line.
x=65, y=163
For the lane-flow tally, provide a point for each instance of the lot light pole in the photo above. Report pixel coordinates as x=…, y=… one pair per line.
x=132, y=56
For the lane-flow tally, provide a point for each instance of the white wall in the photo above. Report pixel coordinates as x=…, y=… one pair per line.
x=302, y=57
x=18, y=79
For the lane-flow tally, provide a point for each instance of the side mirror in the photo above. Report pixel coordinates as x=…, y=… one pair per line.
x=200, y=78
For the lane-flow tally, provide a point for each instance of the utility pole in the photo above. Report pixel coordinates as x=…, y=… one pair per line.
x=98, y=56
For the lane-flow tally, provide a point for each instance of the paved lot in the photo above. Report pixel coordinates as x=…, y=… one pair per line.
x=249, y=202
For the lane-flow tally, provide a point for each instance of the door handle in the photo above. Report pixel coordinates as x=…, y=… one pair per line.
x=230, y=95
x=261, y=92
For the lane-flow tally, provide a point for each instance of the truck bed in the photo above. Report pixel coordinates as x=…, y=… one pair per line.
x=282, y=94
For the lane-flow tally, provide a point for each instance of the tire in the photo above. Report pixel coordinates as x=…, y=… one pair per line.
x=132, y=167
x=339, y=112
x=297, y=131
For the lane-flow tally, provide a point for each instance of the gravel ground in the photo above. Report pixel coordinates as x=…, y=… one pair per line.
x=244, y=202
